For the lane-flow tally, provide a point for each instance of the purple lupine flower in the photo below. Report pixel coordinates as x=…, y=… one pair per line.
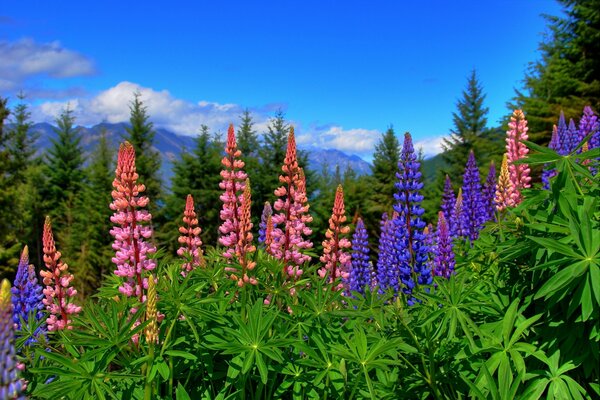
x=448, y=199
x=488, y=194
x=561, y=130
x=459, y=225
x=27, y=297
x=554, y=144
x=589, y=124
x=473, y=207
x=262, y=226
x=443, y=260
x=361, y=270
x=10, y=386
x=571, y=139
x=409, y=240
x=385, y=260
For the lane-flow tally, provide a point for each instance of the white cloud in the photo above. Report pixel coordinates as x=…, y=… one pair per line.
x=355, y=141
x=431, y=146
x=180, y=116
x=25, y=59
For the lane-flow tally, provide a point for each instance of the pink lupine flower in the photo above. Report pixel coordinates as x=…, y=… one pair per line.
x=292, y=214
x=133, y=230
x=190, y=239
x=504, y=189
x=244, y=246
x=58, y=291
x=233, y=184
x=337, y=261
x=269, y=234
x=515, y=150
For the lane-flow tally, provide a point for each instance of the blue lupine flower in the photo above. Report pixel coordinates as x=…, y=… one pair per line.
x=473, y=208
x=488, y=195
x=361, y=270
x=443, y=260
x=448, y=199
x=385, y=261
x=10, y=386
x=27, y=296
x=409, y=240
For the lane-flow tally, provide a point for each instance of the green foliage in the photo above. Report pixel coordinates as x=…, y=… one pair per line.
x=566, y=77
x=385, y=166
x=147, y=159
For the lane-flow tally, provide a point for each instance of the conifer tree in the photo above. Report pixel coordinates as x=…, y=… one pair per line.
x=272, y=153
x=469, y=127
x=141, y=136
x=64, y=168
x=21, y=142
x=248, y=144
x=196, y=173
x=6, y=254
x=93, y=241
x=567, y=75
x=385, y=165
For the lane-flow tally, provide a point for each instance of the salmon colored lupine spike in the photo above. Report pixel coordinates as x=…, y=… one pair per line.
x=336, y=260
x=504, y=188
x=245, y=247
x=151, y=331
x=191, y=248
x=233, y=184
x=289, y=223
x=58, y=292
x=515, y=150
x=133, y=230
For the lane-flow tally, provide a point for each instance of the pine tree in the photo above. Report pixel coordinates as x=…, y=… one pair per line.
x=246, y=136
x=8, y=250
x=21, y=143
x=92, y=241
x=469, y=126
x=196, y=173
x=66, y=176
x=141, y=136
x=385, y=166
x=567, y=76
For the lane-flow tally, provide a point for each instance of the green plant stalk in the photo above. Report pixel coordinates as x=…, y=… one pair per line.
x=369, y=383
x=148, y=385
x=170, y=377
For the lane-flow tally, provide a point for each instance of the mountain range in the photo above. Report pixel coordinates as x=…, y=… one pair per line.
x=170, y=145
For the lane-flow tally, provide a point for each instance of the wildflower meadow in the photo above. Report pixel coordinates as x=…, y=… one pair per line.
x=499, y=298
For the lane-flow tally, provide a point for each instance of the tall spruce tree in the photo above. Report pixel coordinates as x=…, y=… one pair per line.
x=567, y=75
x=92, y=240
x=247, y=139
x=21, y=143
x=196, y=173
x=385, y=166
x=7, y=257
x=147, y=159
x=470, y=125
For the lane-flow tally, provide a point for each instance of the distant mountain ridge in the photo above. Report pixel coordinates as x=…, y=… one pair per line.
x=170, y=145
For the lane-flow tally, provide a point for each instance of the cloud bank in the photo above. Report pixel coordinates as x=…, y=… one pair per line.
x=25, y=60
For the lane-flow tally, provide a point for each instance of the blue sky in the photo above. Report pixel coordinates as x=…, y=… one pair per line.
x=342, y=71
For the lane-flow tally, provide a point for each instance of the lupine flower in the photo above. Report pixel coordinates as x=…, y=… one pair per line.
x=443, y=260
x=488, y=194
x=233, y=184
x=387, y=267
x=262, y=227
x=134, y=230
x=269, y=234
x=409, y=240
x=563, y=140
x=515, y=150
x=244, y=246
x=58, y=289
x=504, y=188
x=554, y=144
x=191, y=248
x=151, y=330
x=589, y=124
x=448, y=199
x=572, y=138
x=474, y=211
x=27, y=296
x=336, y=260
x=292, y=214
x=10, y=386
x=361, y=270
x=459, y=222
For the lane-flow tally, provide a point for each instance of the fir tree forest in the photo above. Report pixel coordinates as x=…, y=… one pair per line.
x=250, y=275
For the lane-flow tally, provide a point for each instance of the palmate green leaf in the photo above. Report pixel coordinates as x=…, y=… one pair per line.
x=181, y=393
